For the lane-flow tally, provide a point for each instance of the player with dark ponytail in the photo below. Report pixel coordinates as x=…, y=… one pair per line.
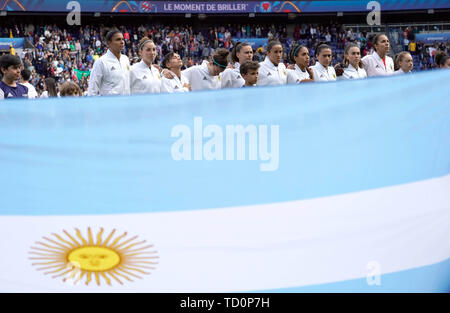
x=322, y=70
x=379, y=63
x=353, y=66
x=179, y=83
x=272, y=71
x=441, y=59
x=301, y=73
x=231, y=78
x=206, y=75
x=111, y=72
x=145, y=77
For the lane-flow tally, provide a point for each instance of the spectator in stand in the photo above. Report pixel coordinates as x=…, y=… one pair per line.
x=12, y=51
x=405, y=44
x=259, y=56
x=432, y=51
x=412, y=47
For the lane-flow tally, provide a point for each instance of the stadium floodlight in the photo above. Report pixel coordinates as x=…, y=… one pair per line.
x=97, y=14
x=201, y=16
x=3, y=13
x=251, y=14
x=340, y=13
x=430, y=11
x=188, y=15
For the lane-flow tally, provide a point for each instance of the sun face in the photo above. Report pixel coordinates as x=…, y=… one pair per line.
x=112, y=259
x=94, y=258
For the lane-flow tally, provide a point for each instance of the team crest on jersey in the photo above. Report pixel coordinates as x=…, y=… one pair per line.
x=334, y=76
x=145, y=77
x=268, y=74
x=204, y=78
x=128, y=67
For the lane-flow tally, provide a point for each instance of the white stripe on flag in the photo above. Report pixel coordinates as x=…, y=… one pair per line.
x=259, y=247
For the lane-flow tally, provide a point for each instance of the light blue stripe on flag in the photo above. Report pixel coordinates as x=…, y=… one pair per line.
x=113, y=155
x=431, y=278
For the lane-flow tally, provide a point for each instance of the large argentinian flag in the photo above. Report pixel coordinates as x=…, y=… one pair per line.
x=319, y=187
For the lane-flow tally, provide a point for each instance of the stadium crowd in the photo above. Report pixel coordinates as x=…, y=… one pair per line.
x=68, y=54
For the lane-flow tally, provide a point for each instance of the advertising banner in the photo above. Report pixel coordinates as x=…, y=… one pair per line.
x=225, y=7
x=431, y=38
x=254, y=42
x=17, y=43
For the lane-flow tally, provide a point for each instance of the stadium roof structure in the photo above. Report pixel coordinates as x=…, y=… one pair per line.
x=218, y=7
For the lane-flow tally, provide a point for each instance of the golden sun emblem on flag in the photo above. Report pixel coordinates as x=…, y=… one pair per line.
x=76, y=259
